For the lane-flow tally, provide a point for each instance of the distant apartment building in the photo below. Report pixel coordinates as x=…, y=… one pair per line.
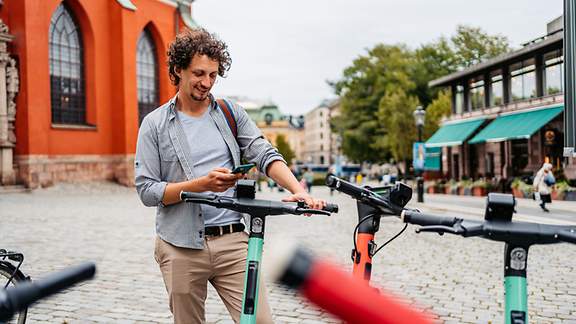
x=336, y=155
x=507, y=113
x=317, y=135
x=272, y=122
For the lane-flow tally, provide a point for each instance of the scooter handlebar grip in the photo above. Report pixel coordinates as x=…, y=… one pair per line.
x=333, y=208
x=418, y=218
x=344, y=186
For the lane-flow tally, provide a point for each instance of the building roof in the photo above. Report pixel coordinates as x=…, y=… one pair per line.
x=499, y=60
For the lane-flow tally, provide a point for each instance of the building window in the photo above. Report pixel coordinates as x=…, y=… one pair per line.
x=477, y=94
x=519, y=156
x=496, y=89
x=523, y=80
x=459, y=99
x=321, y=135
x=67, y=97
x=489, y=165
x=553, y=73
x=146, y=75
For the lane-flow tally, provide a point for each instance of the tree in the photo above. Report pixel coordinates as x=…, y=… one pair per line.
x=472, y=45
x=376, y=83
x=435, y=111
x=395, y=111
x=361, y=88
x=284, y=148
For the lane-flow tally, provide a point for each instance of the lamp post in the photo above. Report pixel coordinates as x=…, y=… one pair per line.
x=419, y=115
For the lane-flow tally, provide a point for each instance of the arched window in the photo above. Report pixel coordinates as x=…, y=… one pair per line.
x=146, y=75
x=67, y=95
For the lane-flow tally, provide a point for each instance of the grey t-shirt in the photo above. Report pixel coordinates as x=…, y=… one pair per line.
x=209, y=151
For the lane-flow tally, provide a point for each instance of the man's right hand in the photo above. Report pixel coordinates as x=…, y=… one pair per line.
x=219, y=180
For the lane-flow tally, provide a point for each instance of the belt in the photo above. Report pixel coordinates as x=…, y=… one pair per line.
x=225, y=229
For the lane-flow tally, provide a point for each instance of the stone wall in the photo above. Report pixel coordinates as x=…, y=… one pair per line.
x=42, y=171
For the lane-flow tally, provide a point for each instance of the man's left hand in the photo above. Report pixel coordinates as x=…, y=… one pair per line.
x=304, y=196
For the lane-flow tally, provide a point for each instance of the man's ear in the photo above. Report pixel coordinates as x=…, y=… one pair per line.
x=178, y=72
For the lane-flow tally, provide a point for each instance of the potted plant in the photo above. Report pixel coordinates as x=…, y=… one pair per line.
x=570, y=194
x=563, y=191
x=431, y=187
x=518, y=187
x=465, y=187
x=480, y=187
x=451, y=187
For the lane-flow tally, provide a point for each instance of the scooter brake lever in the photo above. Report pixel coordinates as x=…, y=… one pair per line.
x=440, y=229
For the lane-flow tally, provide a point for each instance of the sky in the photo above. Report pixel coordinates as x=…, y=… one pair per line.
x=285, y=51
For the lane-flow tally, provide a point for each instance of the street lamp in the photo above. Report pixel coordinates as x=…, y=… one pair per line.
x=419, y=115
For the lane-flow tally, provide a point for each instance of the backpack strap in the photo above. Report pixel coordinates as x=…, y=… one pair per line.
x=229, y=114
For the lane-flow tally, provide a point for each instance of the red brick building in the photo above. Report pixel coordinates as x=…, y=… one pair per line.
x=87, y=72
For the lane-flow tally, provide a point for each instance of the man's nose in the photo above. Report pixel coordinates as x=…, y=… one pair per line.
x=207, y=82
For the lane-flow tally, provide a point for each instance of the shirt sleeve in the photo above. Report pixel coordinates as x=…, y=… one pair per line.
x=147, y=166
x=253, y=146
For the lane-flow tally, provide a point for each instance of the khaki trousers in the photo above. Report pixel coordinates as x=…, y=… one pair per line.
x=222, y=262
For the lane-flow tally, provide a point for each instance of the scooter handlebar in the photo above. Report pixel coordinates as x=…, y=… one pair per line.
x=418, y=218
x=190, y=196
x=568, y=236
x=346, y=187
x=332, y=208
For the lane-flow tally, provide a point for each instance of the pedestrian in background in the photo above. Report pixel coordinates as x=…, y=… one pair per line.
x=543, y=180
x=309, y=178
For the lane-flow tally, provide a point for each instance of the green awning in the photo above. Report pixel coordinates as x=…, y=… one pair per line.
x=454, y=133
x=516, y=126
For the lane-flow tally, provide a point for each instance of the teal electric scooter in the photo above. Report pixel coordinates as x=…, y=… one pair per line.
x=498, y=226
x=258, y=210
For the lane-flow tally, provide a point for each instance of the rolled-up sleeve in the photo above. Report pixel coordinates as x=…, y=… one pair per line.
x=147, y=166
x=253, y=146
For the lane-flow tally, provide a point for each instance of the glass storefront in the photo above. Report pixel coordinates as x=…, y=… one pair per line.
x=523, y=80
x=553, y=73
x=477, y=94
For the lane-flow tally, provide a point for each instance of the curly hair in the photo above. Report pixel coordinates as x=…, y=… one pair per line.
x=198, y=41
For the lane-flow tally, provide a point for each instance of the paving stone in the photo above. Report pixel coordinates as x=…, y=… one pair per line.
x=459, y=280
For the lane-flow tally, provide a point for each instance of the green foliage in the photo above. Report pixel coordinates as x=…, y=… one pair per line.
x=362, y=87
x=395, y=111
x=435, y=111
x=284, y=149
x=472, y=45
x=381, y=89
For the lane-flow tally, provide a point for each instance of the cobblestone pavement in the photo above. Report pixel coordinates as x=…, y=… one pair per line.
x=459, y=280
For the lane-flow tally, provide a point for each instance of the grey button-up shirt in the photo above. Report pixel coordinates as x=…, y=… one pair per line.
x=163, y=156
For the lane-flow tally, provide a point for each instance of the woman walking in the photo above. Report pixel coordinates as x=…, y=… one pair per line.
x=543, y=180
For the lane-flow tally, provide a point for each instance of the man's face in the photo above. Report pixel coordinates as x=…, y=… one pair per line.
x=197, y=80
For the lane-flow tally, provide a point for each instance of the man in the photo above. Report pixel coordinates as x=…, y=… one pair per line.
x=187, y=145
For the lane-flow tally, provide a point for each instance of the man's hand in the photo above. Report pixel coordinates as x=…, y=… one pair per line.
x=304, y=196
x=219, y=180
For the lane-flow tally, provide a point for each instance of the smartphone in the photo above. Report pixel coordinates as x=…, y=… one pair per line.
x=243, y=168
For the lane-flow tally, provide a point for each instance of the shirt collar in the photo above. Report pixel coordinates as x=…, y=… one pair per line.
x=172, y=104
